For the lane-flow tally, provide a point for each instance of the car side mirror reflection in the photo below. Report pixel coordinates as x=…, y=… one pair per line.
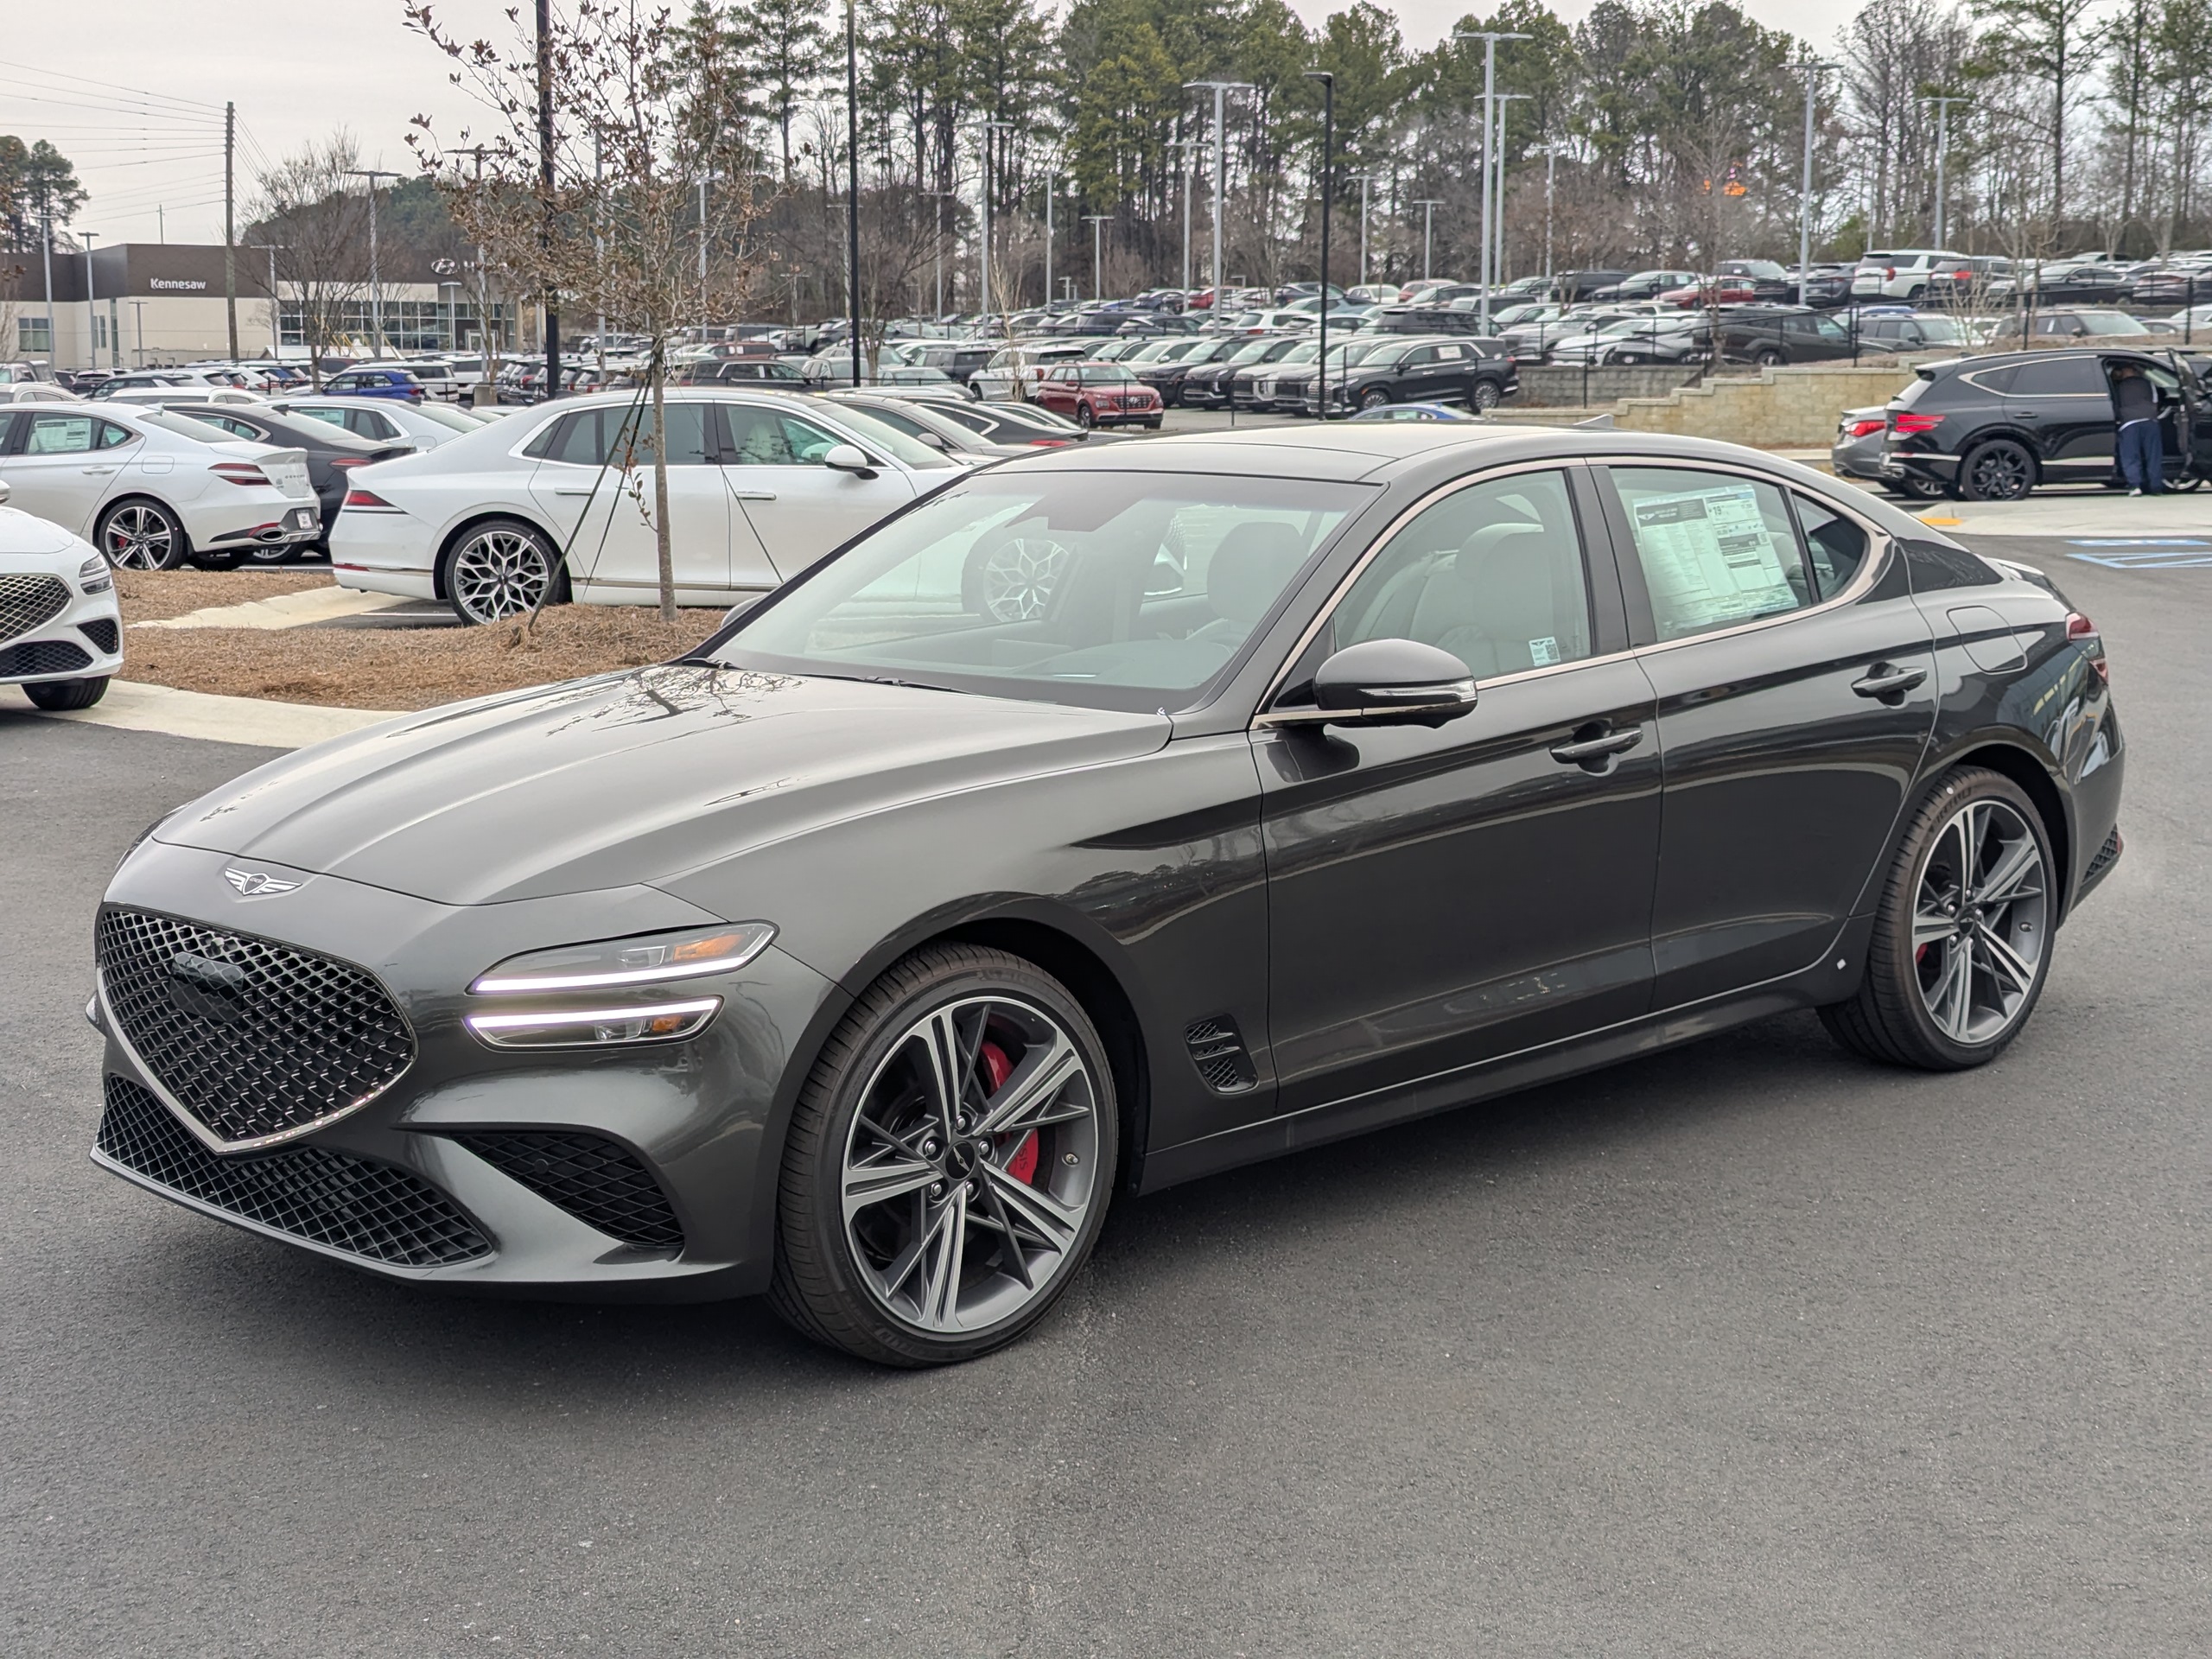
x=847, y=458
x=1392, y=682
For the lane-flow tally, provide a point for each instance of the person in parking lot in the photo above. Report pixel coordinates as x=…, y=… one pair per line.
x=2142, y=447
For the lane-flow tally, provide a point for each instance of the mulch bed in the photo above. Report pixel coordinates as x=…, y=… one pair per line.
x=378, y=668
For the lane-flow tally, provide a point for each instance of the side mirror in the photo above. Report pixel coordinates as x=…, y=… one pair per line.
x=1392, y=682
x=4, y=491
x=847, y=458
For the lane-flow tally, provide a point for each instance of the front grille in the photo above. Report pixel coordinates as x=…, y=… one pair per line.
x=591, y=1178
x=30, y=601
x=350, y=1203
x=1217, y=1050
x=254, y=1038
x=42, y=657
x=103, y=632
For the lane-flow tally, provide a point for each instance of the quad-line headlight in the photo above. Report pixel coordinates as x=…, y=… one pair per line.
x=95, y=576
x=653, y=959
x=659, y=1022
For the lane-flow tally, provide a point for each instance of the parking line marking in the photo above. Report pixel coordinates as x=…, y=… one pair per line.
x=2167, y=561
x=2140, y=541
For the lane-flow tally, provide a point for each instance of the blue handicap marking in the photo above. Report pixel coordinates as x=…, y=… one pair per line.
x=2140, y=541
x=2175, y=559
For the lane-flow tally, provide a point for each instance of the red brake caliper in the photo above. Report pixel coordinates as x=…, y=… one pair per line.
x=996, y=1069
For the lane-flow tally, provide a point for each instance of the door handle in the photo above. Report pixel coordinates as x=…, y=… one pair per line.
x=1887, y=684
x=2027, y=415
x=570, y=490
x=754, y=495
x=1601, y=749
x=97, y=472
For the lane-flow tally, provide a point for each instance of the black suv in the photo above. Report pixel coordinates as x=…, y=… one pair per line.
x=1212, y=385
x=1164, y=374
x=1476, y=373
x=1991, y=429
x=1772, y=334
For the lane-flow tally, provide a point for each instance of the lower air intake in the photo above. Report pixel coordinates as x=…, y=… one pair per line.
x=41, y=657
x=593, y=1179
x=365, y=1209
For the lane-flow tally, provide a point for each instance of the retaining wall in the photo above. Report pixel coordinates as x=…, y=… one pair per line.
x=1793, y=408
x=1545, y=386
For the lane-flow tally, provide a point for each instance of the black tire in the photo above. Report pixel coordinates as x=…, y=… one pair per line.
x=55, y=696
x=1768, y=359
x=1375, y=398
x=228, y=560
x=268, y=556
x=820, y=1285
x=469, y=575
x=1889, y=1018
x=1486, y=395
x=1083, y=416
x=139, y=533
x=1152, y=425
x=1914, y=487
x=1999, y=469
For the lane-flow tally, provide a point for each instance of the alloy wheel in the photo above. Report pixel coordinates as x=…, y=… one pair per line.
x=1979, y=922
x=139, y=537
x=497, y=572
x=1998, y=472
x=1018, y=576
x=971, y=1164
x=1485, y=394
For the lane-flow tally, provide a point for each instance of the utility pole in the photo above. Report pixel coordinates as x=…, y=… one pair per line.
x=1328, y=79
x=1551, y=175
x=1812, y=73
x=376, y=279
x=546, y=186
x=1490, y=38
x=1051, y=188
x=990, y=128
x=1196, y=149
x=1497, y=265
x=939, y=197
x=1427, y=225
x=1097, y=223
x=852, y=177
x=45, y=247
x=1365, y=179
x=1943, y=102
x=272, y=248
x=230, y=234
x=91, y=305
x=1221, y=89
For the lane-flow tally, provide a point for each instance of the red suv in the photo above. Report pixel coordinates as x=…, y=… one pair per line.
x=1098, y=394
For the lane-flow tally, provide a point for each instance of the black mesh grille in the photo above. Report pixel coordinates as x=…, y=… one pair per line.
x=2106, y=854
x=349, y=1204
x=30, y=601
x=253, y=1037
x=103, y=632
x=592, y=1179
x=1217, y=1050
x=42, y=657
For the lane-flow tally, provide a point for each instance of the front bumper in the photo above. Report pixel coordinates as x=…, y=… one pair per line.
x=702, y=1119
x=83, y=642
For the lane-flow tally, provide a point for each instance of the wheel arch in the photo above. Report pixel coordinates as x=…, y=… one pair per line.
x=2038, y=779
x=125, y=498
x=485, y=516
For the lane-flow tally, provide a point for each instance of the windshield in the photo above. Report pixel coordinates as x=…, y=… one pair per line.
x=1105, y=374
x=920, y=456
x=1116, y=590
x=184, y=426
x=1942, y=331
x=2108, y=322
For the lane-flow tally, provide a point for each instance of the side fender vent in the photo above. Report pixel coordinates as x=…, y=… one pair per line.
x=1217, y=1050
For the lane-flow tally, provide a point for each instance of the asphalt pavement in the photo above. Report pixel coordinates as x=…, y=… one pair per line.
x=1751, y=1347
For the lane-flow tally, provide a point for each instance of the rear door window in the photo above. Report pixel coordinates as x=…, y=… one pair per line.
x=1716, y=549
x=2059, y=377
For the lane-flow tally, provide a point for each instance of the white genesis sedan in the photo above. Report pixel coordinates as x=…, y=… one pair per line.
x=761, y=485
x=61, y=630
x=151, y=489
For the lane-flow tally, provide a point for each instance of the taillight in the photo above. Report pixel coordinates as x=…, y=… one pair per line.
x=240, y=472
x=342, y=462
x=1860, y=429
x=2079, y=631
x=1911, y=426
x=369, y=499
x=1889, y=274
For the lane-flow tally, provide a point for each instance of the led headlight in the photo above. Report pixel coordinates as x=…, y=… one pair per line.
x=94, y=576
x=610, y=964
x=659, y=1022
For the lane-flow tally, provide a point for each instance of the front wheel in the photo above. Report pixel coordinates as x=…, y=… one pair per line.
x=2000, y=470
x=502, y=568
x=1084, y=417
x=1961, y=941
x=141, y=536
x=949, y=1164
x=57, y=696
x=1375, y=398
x=1768, y=359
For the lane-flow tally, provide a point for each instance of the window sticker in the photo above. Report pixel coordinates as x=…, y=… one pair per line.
x=1543, y=653
x=1710, y=558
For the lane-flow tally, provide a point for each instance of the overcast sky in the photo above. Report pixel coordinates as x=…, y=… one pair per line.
x=297, y=68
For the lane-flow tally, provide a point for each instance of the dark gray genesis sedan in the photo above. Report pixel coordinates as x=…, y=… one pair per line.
x=1292, y=783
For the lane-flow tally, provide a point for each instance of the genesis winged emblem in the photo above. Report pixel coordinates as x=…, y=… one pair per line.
x=255, y=884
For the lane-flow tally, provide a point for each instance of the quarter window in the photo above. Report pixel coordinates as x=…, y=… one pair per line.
x=1838, y=544
x=1715, y=548
x=1492, y=574
x=2059, y=377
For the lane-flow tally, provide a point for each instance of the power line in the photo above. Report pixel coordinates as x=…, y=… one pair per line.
x=109, y=86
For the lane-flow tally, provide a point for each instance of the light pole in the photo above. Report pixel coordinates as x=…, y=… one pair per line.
x=1490, y=38
x=940, y=197
x=990, y=127
x=1365, y=179
x=1220, y=90
x=138, y=317
x=272, y=248
x=1097, y=223
x=1428, y=207
x=453, y=318
x=1497, y=265
x=1812, y=73
x=853, y=178
x=92, y=303
x=1943, y=102
x=1328, y=79
x=1551, y=174
x=376, y=282
x=1196, y=149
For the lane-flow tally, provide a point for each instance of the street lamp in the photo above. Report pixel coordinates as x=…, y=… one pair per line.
x=1498, y=265
x=1220, y=90
x=1428, y=207
x=1365, y=179
x=452, y=317
x=91, y=305
x=852, y=178
x=1328, y=79
x=272, y=248
x=1943, y=102
x=1196, y=149
x=1097, y=223
x=376, y=282
x=1551, y=174
x=989, y=128
x=1812, y=73
x=940, y=197
x=705, y=179
x=1490, y=38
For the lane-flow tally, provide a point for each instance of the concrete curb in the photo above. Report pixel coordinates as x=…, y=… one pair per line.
x=134, y=706
x=283, y=610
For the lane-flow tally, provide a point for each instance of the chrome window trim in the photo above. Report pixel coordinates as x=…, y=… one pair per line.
x=1265, y=716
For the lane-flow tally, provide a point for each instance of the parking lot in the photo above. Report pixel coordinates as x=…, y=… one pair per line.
x=1751, y=1347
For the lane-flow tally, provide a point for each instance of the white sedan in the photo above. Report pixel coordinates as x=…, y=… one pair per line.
x=151, y=489
x=761, y=485
x=386, y=420
x=60, y=632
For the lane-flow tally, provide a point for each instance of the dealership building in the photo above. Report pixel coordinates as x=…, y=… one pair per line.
x=154, y=304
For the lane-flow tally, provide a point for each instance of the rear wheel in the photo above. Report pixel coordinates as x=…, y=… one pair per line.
x=267, y=554
x=1485, y=394
x=502, y=568
x=1768, y=359
x=56, y=696
x=1961, y=940
x=949, y=1164
x=141, y=535
x=2000, y=470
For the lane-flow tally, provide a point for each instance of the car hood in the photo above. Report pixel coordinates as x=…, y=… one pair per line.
x=25, y=536
x=630, y=777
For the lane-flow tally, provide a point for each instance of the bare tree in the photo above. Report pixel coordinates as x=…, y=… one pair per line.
x=647, y=203
x=306, y=209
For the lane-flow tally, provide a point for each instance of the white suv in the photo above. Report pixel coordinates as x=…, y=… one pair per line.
x=1899, y=273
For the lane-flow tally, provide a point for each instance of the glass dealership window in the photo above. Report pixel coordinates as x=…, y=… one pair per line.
x=1716, y=549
